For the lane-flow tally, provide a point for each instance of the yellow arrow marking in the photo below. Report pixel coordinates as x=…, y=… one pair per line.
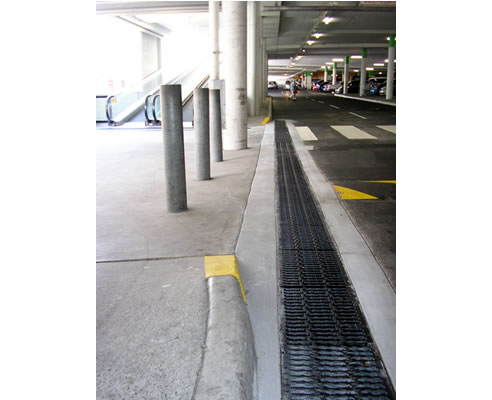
x=382, y=181
x=350, y=194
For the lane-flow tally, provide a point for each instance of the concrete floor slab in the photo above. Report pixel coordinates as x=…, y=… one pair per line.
x=151, y=321
x=151, y=291
x=132, y=218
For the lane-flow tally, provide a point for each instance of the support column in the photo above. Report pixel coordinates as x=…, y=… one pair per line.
x=202, y=134
x=213, y=14
x=325, y=78
x=334, y=78
x=252, y=55
x=215, y=126
x=391, y=67
x=309, y=84
x=174, y=160
x=235, y=72
x=362, y=88
x=345, y=75
x=264, y=75
x=259, y=52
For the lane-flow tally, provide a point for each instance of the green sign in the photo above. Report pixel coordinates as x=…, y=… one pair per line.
x=392, y=41
x=364, y=53
x=308, y=73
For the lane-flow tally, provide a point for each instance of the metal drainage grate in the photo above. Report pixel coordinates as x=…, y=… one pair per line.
x=327, y=351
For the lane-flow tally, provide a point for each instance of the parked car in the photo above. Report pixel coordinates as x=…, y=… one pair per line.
x=376, y=84
x=314, y=82
x=352, y=87
x=330, y=87
x=272, y=85
x=318, y=85
x=382, y=90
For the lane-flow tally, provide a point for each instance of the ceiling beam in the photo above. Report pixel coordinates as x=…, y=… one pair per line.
x=148, y=7
x=390, y=7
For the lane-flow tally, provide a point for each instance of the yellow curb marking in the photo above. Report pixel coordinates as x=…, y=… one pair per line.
x=265, y=121
x=350, y=194
x=381, y=181
x=221, y=266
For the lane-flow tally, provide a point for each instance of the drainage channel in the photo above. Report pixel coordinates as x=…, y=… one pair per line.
x=326, y=349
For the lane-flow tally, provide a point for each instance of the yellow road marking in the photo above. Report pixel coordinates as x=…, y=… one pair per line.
x=265, y=121
x=381, y=181
x=221, y=266
x=350, y=194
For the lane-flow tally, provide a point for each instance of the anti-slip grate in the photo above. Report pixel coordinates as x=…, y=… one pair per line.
x=327, y=351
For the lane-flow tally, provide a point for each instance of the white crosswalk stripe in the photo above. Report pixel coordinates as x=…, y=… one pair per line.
x=389, y=128
x=305, y=133
x=351, y=132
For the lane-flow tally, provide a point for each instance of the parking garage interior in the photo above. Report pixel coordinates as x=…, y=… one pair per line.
x=436, y=230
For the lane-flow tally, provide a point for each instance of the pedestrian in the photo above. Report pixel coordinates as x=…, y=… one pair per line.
x=293, y=90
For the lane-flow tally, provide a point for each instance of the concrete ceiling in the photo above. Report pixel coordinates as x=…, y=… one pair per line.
x=287, y=26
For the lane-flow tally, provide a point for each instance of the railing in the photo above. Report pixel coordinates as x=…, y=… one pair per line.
x=152, y=105
x=109, y=110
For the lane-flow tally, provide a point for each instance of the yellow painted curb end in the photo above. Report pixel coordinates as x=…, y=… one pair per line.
x=221, y=266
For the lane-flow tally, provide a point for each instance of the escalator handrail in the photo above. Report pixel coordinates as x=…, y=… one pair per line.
x=147, y=119
x=186, y=99
x=157, y=96
x=109, y=110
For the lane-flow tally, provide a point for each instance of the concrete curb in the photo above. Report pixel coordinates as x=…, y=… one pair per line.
x=229, y=359
x=269, y=116
x=386, y=103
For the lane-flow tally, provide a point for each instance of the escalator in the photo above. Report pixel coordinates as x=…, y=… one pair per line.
x=148, y=114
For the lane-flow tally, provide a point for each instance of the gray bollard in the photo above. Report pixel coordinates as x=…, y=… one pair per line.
x=202, y=134
x=174, y=160
x=215, y=126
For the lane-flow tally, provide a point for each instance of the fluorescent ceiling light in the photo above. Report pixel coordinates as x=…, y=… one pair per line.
x=387, y=61
x=378, y=64
x=355, y=56
x=310, y=42
x=337, y=59
x=369, y=69
x=356, y=70
x=329, y=62
x=317, y=35
x=327, y=20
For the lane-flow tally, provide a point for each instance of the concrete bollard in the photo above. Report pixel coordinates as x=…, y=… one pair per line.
x=215, y=126
x=202, y=134
x=174, y=160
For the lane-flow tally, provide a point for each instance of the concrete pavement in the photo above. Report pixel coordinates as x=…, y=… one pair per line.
x=152, y=299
